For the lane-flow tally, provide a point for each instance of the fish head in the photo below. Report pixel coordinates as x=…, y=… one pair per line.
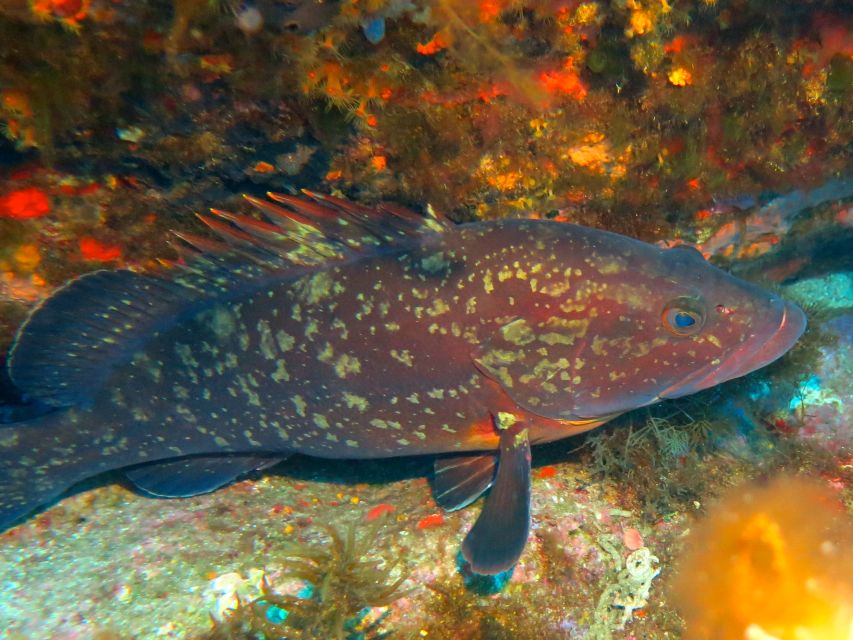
x=632, y=324
x=732, y=326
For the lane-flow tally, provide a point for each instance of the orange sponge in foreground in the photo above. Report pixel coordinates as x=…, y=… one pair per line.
x=769, y=562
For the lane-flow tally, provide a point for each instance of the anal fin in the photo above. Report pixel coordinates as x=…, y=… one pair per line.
x=184, y=477
x=497, y=539
x=459, y=480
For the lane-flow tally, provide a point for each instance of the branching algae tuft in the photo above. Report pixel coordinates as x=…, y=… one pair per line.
x=343, y=581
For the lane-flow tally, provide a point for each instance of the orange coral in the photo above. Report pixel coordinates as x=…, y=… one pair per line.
x=490, y=10
x=438, y=42
x=772, y=562
x=68, y=12
x=95, y=251
x=23, y=204
x=565, y=81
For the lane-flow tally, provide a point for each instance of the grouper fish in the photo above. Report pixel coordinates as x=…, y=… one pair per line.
x=340, y=331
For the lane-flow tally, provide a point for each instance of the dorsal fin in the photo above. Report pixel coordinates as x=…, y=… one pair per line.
x=322, y=230
x=68, y=346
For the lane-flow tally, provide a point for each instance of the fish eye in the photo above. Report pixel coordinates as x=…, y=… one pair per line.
x=683, y=317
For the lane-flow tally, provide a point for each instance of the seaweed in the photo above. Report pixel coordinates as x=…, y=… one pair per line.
x=344, y=582
x=654, y=452
x=460, y=613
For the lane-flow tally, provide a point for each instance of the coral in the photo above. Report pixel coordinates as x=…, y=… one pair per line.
x=757, y=567
x=24, y=204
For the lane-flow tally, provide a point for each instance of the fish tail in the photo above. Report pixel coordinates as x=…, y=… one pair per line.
x=31, y=473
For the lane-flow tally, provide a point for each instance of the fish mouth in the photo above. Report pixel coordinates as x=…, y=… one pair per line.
x=757, y=351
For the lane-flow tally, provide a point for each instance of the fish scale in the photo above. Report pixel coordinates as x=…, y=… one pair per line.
x=342, y=331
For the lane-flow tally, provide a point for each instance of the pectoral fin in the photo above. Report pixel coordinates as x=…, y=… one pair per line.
x=497, y=539
x=459, y=480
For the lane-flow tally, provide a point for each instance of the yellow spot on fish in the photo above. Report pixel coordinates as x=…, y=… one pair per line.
x=267, y=344
x=320, y=420
x=488, y=285
x=575, y=327
x=326, y=354
x=434, y=263
x=610, y=267
x=221, y=322
x=285, y=341
x=316, y=288
x=518, y=332
x=310, y=328
x=403, y=356
x=439, y=307
x=341, y=326
x=556, y=338
x=280, y=374
x=185, y=354
x=299, y=404
x=347, y=364
x=504, y=420
x=556, y=289
x=356, y=401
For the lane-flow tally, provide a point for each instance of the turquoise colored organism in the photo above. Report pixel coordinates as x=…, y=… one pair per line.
x=342, y=331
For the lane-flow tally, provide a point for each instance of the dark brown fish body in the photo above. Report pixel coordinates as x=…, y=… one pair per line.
x=477, y=339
